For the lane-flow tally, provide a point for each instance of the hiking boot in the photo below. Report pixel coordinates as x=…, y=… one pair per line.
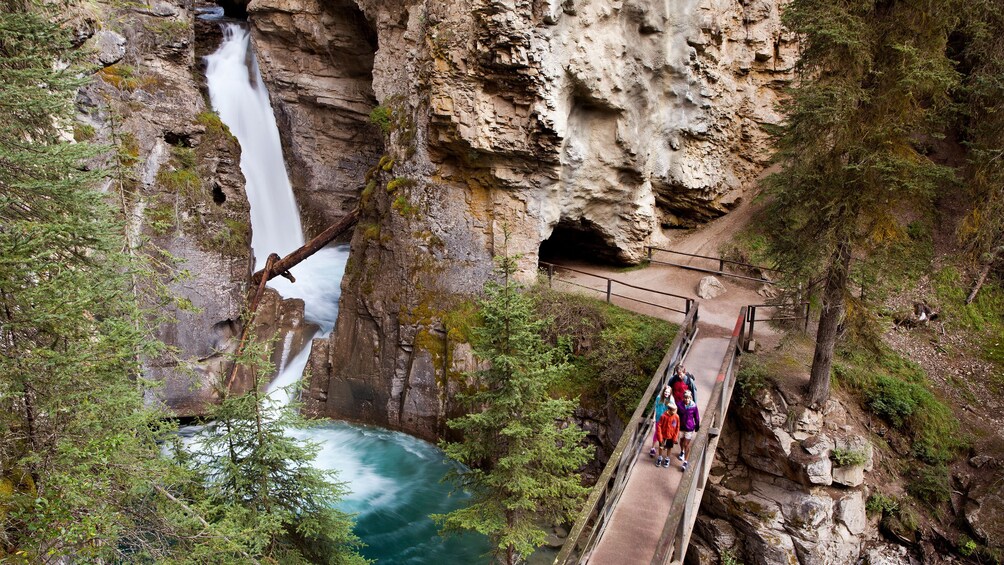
x=666, y=463
x=658, y=462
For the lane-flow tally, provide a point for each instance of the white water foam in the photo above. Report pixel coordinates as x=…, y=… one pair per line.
x=241, y=99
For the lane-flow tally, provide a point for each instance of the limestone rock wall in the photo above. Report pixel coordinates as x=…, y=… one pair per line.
x=317, y=58
x=176, y=178
x=599, y=122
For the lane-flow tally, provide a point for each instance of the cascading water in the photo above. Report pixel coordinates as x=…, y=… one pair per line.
x=395, y=479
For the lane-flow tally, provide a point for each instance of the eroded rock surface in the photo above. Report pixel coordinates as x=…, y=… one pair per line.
x=502, y=124
x=779, y=491
x=175, y=175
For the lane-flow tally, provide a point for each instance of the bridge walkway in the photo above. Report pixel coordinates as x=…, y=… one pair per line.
x=633, y=532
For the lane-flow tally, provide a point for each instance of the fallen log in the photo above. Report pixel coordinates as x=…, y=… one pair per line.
x=282, y=267
x=274, y=266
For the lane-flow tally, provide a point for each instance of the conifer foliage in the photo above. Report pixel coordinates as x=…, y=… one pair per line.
x=78, y=452
x=873, y=80
x=983, y=229
x=522, y=452
x=262, y=491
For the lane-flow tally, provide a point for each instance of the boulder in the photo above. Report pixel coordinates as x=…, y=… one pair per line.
x=850, y=511
x=984, y=512
x=109, y=47
x=710, y=287
x=887, y=554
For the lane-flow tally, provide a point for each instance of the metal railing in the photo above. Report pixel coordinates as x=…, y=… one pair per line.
x=552, y=270
x=721, y=264
x=789, y=313
x=602, y=501
x=675, y=537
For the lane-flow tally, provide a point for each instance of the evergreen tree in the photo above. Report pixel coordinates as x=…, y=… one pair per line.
x=872, y=80
x=522, y=453
x=78, y=451
x=263, y=491
x=983, y=229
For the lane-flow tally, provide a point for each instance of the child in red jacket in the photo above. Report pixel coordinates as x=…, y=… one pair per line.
x=667, y=429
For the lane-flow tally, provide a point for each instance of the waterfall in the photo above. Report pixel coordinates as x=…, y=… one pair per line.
x=237, y=93
x=395, y=480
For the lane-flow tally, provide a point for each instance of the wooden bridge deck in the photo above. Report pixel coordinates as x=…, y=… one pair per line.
x=637, y=521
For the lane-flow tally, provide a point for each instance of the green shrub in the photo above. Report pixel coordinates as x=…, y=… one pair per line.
x=166, y=29
x=930, y=484
x=892, y=399
x=367, y=194
x=122, y=77
x=614, y=352
x=880, y=503
x=896, y=390
x=382, y=117
x=848, y=457
x=726, y=557
x=233, y=238
x=185, y=182
x=399, y=182
x=215, y=128
x=404, y=206
x=160, y=217
x=753, y=377
x=967, y=547
x=83, y=132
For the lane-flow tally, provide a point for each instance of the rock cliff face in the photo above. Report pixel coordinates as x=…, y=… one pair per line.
x=573, y=123
x=177, y=180
x=317, y=57
x=788, y=486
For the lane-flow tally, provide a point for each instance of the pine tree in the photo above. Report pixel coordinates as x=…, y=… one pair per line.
x=522, y=453
x=982, y=231
x=872, y=80
x=79, y=461
x=262, y=488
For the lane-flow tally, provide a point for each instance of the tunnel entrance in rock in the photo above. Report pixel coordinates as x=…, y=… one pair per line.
x=579, y=240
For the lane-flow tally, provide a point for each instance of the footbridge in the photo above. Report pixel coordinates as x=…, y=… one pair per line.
x=639, y=513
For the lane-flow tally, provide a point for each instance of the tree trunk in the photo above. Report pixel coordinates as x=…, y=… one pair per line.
x=979, y=281
x=829, y=322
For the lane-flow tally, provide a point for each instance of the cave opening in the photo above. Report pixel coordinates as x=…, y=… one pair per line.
x=579, y=240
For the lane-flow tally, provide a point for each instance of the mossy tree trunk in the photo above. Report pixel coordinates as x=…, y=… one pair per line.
x=829, y=323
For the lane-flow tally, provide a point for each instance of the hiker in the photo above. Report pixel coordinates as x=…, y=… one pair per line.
x=690, y=423
x=682, y=381
x=667, y=430
x=663, y=401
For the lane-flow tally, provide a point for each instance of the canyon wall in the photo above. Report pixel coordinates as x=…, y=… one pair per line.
x=173, y=172
x=479, y=127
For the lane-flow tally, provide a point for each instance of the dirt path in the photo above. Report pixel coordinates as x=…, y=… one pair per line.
x=717, y=315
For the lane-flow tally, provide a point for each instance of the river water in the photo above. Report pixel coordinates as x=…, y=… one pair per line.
x=395, y=479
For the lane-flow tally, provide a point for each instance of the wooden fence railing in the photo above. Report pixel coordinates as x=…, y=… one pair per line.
x=721, y=264
x=595, y=516
x=679, y=525
x=554, y=271
x=782, y=313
